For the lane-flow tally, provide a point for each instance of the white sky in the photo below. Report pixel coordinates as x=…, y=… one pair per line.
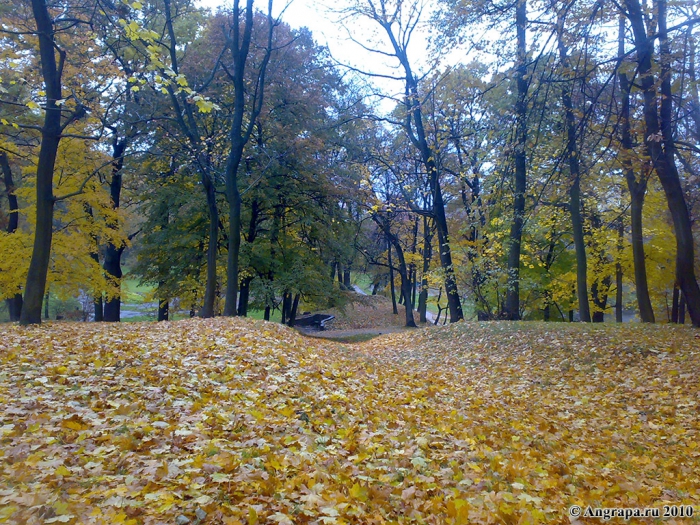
x=327, y=31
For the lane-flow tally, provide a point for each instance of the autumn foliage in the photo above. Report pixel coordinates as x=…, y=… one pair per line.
x=239, y=421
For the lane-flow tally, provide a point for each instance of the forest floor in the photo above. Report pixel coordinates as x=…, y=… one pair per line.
x=239, y=421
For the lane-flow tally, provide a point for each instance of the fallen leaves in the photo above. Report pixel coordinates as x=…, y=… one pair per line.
x=240, y=422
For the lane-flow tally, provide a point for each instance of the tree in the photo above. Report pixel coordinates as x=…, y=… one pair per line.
x=398, y=19
x=660, y=143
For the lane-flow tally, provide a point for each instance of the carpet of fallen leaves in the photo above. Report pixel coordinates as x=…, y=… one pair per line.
x=366, y=311
x=241, y=422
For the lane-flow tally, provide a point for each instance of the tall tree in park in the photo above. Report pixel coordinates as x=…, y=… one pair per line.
x=59, y=34
x=573, y=158
x=248, y=101
x=637, y=185
x=658, y=137
x=398, y=19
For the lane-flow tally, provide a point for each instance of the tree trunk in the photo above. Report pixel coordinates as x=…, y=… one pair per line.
x=618, y=272
x=681, y=311
x=113, y=254
x=391, y=278
x=637, y=191
x=393, y=240
x=14, y=303
x=675, y=304
x=252, y=235
x=516, y=232
x=660, y=145
x=575, y=189
x=163, y=304
x=244, y=297
x=293, y=312
x=412, y=103
x=212, y=245
x=600, y=299
x=427, y=256
x=346, y=278
x=240, y=133
x=50, y=138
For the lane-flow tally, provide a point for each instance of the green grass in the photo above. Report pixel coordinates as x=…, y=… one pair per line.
x=133, y=292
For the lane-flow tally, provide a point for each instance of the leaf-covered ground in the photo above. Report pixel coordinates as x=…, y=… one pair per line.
x=366, y=311
x=240, y=421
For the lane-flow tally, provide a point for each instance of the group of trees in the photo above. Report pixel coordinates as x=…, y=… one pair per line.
x=244, y=168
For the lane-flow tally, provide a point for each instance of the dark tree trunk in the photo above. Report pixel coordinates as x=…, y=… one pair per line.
x=113, y=254
x=252, y=235
x=46, y=305
x=391, y=278
x=393, y=240
x=416, y=132
x=637, y=191
x=572, y=155
x=14, y=303
x=163, y=304
x=660, y=145
x=112, y=266
x=184, y=115
x=427, y=256
x=340, y=276
x=50, y=138
x=242, y=126
x=675, y=304
x=334, y=265
x=618, y=272
x=346, y=278
x=293, y=312
x=286, y=307
x=244, y=297
x=212, y=245
x=512, y=306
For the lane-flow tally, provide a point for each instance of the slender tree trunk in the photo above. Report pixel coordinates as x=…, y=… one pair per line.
x=50, y=138
x=212, y=245
x=575, y=188
x=637, y=189
x=393, y=240
x=244, y=297
x=346, y=278
x=391, y=277
x=14, y=303
x=661, y=147
x=293, y=311
x=427, y=256
x=675, y=304
x=113, y=254
x=618, y=272
x=185, y=117
x=250, y=238
x=512, y=306
x=240, y=133
x=163, y=304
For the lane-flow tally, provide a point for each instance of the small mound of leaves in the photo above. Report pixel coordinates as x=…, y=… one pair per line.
x=233, y=421
x=366, y=311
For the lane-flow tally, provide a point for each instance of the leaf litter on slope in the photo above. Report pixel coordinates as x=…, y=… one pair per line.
x=240, y=421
